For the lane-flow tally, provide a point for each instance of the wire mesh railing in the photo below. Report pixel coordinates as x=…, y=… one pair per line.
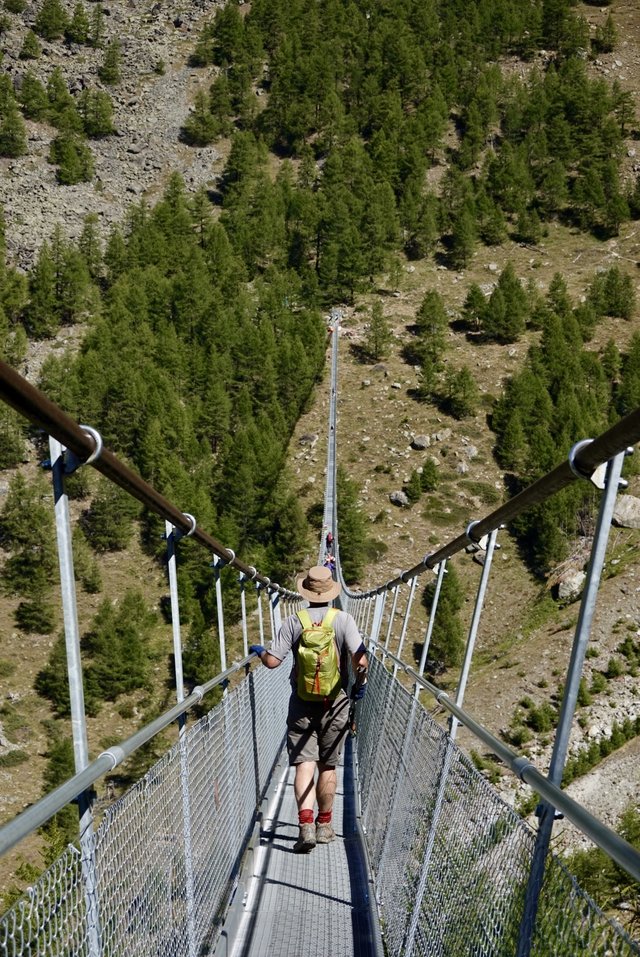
x=451, y=858
x=166, y=856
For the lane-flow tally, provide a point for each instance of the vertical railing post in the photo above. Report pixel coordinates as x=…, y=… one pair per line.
x=405, y=621
x=64, y=462
x=473, y=630
x=381, y=598
x=442, y=567
x=546, y=811
x=259, y=587
x=173, y=535
x=276, y=615
x=391, y=617
x=243, y=614
x=218, y=564
x=368, y=611
x=410, y=934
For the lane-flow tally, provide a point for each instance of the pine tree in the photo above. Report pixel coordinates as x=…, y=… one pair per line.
x=42, y=317
x=461, y=393
x=85, y=566
x=33, y=97
x=351, y=523
x=26, y=528
x=78, y=29
x=72, y=157
x=474, y=307
x=200, y=659
x=413, y=488
x=90, y=247
x=558, y=296
x=611, y=361
x=463, y=238
x=62, y=107
x=378, y=335
x=117, y=643
x=96, y=27
x=52, y=681
x=606, y=37
x=13, y=137
x=110, y=71
x=116, y=255
x=220, y=106
x=51, y=20
x=108, y=523
x=432, y=322
x=30, y=49
x=511, y=453
x=200, y=128
x=516, y=307
x=447, y=636
x=12, y=440
x=96, y=110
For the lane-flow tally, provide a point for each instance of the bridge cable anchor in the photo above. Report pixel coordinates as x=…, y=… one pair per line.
x=597, y=477
x=178, y=533
x=219, y=562
x=72, y=462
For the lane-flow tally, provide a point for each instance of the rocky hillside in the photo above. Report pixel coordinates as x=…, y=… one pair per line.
x=150, y=102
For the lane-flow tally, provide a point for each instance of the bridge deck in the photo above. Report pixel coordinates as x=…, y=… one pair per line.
x=316, y=904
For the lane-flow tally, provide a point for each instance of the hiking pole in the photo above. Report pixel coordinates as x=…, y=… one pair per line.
x=352, y=718
x=357, y=691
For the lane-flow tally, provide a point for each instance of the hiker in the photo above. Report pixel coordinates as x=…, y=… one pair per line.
x=330, y=562
x=317, y=721
x=329, y=541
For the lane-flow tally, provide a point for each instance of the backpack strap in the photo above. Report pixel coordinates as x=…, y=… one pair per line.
x=305, y=620
x=328, y=618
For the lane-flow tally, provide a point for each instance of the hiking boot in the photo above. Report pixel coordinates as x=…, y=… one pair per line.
x=324, y=834
x=307, y=839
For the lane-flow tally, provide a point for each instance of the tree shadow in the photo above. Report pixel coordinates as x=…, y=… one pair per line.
x=361, y=354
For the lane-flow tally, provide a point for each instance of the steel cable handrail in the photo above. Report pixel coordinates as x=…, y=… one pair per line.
x=586, y=456
x=44, y=809
x=80, y=440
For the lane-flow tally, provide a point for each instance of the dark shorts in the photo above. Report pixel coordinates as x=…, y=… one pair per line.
x=316, y=732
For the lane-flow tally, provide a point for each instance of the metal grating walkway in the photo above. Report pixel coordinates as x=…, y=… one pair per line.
x=315, y=904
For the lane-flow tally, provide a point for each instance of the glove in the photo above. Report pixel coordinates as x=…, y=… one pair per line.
x=256, y=650
x=357, y=692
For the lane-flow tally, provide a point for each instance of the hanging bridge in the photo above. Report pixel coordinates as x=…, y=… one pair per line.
x=196, y=858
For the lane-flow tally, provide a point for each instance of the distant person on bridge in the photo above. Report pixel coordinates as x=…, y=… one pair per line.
x=317, y=724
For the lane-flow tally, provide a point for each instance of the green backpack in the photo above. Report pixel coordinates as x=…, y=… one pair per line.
x=318, y=661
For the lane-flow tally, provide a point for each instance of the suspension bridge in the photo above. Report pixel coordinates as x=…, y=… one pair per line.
x=196, y=858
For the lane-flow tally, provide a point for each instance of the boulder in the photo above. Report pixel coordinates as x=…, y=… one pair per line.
x=626, y=512
x=399, y=498
x=420, y=442
x=570, y=588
